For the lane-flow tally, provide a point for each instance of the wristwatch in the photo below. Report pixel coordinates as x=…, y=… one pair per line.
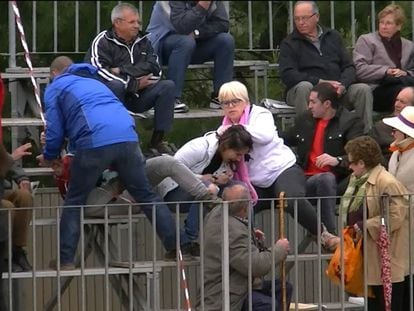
x=340, y=159
x=196, y=33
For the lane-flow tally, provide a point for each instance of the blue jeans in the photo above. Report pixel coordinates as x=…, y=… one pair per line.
x=191, y=223
x=178, y=51
x=262, y=298
x=159, y=96
x=87, y=166
x=324, y=185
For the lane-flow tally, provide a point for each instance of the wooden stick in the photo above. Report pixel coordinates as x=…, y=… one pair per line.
x=282, y=236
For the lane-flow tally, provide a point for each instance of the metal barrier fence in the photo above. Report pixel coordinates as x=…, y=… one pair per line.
x=121, y=263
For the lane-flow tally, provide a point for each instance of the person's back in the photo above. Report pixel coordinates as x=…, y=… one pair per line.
x=93, y=115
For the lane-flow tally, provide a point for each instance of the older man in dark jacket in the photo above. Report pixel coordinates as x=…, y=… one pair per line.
x=239, y=240
x=312, y=54
x=319, y=136
x=128, y=64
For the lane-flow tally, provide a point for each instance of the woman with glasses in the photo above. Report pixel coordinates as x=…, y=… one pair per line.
x=401, y=165
x=272, y=165
x=385, y=59
x=375, y=189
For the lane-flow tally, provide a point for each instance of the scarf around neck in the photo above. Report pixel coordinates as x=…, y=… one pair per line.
x=393, y=46
x=354, y=195
x=403, y=145
x=241, y=173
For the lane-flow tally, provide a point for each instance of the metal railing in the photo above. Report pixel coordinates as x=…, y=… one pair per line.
x=120, y=262
x=244, y=18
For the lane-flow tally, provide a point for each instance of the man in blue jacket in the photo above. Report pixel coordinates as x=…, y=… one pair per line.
x=192, y=32
x=101, y=134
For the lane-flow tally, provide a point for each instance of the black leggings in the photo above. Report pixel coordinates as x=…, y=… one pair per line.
x=397, y=300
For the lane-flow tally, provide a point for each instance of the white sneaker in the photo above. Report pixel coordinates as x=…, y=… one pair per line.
x=214, y=103
x=180, y=107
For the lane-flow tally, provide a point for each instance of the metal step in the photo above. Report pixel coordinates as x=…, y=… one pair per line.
x=38, y=171
x=21, y=122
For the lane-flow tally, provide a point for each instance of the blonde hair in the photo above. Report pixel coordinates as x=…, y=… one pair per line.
x=232, y=90
x=395, y=10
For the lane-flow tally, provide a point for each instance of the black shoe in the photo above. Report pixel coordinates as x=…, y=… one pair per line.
x=195, y=250
x=185, y=252
x=180, y=107
x=19, y=259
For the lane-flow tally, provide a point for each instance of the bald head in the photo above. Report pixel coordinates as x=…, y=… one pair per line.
x=59, y=65
x=404, y=98
x=239, y=198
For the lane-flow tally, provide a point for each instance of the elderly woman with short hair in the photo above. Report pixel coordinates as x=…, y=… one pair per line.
x=372, y=183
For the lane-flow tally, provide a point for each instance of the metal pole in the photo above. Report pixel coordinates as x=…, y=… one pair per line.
x=12, y=37
x=282, y=236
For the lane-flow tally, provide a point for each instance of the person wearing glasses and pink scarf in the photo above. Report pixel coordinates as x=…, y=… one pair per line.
x=272, y=165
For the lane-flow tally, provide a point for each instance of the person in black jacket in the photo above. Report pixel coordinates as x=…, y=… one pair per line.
x=192, y=32
x=319, y=136
x=128, y=65
x=312, y=54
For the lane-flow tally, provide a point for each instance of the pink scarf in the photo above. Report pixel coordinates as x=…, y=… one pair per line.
x=241, y=173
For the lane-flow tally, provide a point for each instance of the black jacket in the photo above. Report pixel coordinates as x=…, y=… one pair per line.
x=344, y=126
x=134, y=60
x=186, y=16
x=300, y=60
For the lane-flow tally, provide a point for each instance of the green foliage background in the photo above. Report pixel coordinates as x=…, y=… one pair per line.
x=198, y=86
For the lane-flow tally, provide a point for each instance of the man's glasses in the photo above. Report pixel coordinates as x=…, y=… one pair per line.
x=303, y=18
x=232, y=102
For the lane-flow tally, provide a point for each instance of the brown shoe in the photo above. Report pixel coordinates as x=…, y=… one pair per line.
x=63, y=266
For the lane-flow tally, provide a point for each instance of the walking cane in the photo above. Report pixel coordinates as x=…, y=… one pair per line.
x=281, y=236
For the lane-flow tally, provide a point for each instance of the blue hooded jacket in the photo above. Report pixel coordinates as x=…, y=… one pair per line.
x=84, y=110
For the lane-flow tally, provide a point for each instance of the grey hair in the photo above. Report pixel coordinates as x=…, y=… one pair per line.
x=315, y=8
x=117, y=11
x=236, y=204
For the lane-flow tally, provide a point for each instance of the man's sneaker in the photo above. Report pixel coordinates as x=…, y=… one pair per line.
x=214, y=103
x=329, y=241
x=19, y=260
x=180, y=107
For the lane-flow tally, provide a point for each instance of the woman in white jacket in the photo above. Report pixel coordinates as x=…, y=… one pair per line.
x=272, y=166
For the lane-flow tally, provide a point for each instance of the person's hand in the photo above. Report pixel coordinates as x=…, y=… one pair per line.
x=395, y=72
x=357, y=233
x=21, y=151
x=57, y=167
x=115, y=71
x=222, y=129
x=25, y=185
x=145, y=81
x=260, y=236
x=43, y=138
x=325, y=160
x=42, y=161
x=284, y=244
x=204, y=4
x=223, y=178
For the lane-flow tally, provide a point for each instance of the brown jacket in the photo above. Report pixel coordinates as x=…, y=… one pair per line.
x=381, y=182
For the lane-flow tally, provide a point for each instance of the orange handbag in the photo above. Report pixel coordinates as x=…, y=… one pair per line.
x=353, y=264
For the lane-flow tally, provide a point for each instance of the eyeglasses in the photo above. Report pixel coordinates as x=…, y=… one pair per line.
x=303, y=18
x=232, y=102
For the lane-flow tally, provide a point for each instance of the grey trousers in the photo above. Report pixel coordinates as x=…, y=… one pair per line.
x=358, y=97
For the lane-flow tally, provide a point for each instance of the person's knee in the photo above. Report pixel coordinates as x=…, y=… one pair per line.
x=166, y=88
x=225, y=41
x=7, y=204
x=23, y=198
x=360, y=88
x=327, y=179
x=186, y=43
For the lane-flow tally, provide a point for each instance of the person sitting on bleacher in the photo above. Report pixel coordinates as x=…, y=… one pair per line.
x=272, y=165
x=192, y=32
x=312, y=54
x=127, y=63
x=102, y=134
x=320, y=135
x=19, y=198
x=383, y=133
